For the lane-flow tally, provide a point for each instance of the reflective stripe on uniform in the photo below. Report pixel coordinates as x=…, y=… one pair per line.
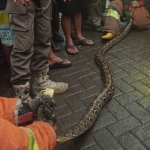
x=113, y=13
x=32, y=144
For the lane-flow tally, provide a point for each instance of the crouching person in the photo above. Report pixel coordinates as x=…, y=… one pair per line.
x=122, y=8
x=39, y=135
x=30, y=22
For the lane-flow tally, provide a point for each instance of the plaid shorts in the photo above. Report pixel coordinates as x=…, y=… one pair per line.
x=6, y=34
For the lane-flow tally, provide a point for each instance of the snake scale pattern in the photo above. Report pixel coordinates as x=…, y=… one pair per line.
x=103, y=97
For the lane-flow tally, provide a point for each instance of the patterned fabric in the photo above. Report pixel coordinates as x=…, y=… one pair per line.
x=6, y=34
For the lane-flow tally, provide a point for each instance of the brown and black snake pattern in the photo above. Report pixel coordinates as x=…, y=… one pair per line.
x=103, y=97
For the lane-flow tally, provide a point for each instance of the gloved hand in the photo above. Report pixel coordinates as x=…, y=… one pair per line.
x=39, y=108
x=135, y=4
x=45, y=110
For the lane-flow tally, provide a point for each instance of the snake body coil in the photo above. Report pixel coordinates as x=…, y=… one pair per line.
x=100, y=100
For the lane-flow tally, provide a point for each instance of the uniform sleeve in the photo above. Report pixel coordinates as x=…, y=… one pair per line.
x=37, y=136
x=44, y=134
x=9, y=109
x=12, y=137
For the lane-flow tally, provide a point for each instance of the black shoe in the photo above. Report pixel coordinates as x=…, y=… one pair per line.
x=57, y=38
x=98, y=28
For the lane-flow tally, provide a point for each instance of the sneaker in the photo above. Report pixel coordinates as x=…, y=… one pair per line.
x=41, y=81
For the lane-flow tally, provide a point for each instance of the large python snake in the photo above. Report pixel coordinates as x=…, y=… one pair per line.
x=103, y=97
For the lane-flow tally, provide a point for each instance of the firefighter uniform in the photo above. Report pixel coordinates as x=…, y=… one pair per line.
x=122, y=8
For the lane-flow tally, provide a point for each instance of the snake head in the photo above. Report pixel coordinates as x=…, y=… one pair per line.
x=46, y=108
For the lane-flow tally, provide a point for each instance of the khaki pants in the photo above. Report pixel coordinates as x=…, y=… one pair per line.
x=31, y=26
x=95, y=12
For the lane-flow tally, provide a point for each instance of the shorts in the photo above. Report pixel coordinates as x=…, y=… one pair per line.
x=6, y=34
x=71, y=6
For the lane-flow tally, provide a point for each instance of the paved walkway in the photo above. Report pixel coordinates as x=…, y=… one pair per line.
x=124, y=123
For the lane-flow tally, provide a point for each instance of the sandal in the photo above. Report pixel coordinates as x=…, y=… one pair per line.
x=71, y=47
x=84, y=42
x=60, y=65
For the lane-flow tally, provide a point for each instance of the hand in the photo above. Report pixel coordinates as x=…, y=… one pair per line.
x=23, y=2
x=135, y=4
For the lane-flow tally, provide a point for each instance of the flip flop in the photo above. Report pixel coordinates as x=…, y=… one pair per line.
x=83, y=42
x=59, y=65
x=72, y=47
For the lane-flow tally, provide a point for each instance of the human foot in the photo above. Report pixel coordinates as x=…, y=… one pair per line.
x=71, y=49
x=85, y=42
x=57, y=60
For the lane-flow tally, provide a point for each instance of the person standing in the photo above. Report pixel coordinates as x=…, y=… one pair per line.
x=95, y=13
x=71, y=13
x=38, y=135
x=30, y=21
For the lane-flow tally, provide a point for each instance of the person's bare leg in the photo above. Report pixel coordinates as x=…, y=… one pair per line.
x=77, y=21
x=7, y=51
x=66, y=26
x=52, y=59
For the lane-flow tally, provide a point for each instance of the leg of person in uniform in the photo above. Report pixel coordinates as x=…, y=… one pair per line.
x=111, y=25
x=42, y=46
x=23, y=29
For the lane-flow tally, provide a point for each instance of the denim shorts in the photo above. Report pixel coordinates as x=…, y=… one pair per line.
x=6, y=34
